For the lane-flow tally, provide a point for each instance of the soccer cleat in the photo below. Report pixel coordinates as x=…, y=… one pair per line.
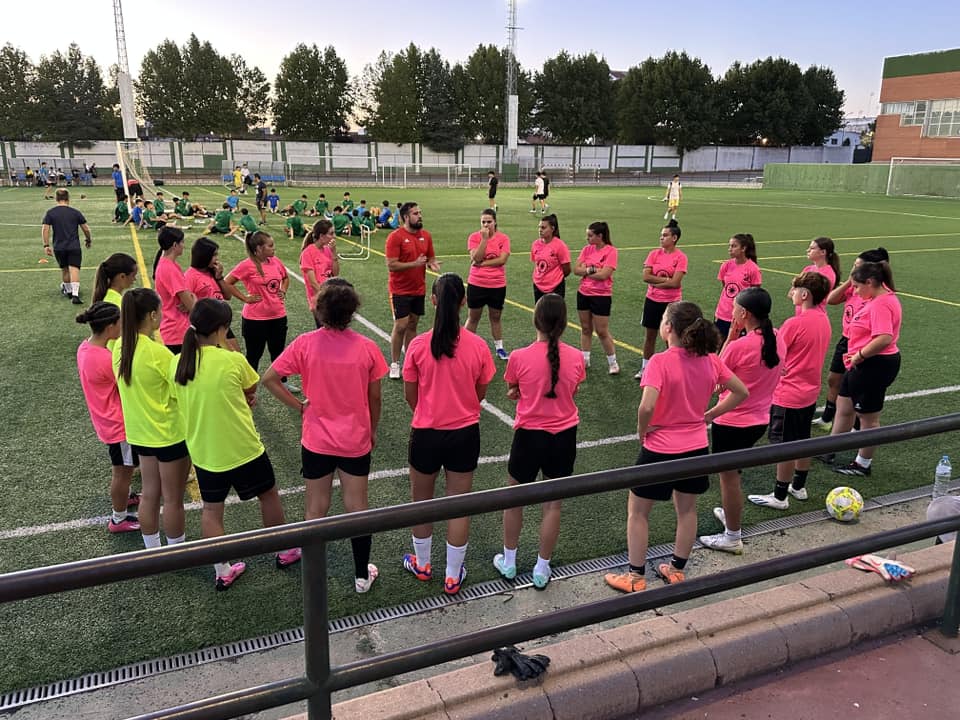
x=75, y=299
x=669, y=574
x=451, y=586
x=424, y=573
x=225, y=581
x=133, y=500
x=291, y=387
x=627, y=582
x=508, y=571
x=286, y=558
x=362, y=585
x=613, y=369
x=128, y=524
x=821, y=425
x=532, y=210
x=586, y=362
x=721, y=541
x=769, y=501
x=502, y=354
x=853, y=468
x=720, y=515
x=639, y=374
x=394, y=371
x=800, y=494
x=540, y=580
x=64, y=291
x=826, y=458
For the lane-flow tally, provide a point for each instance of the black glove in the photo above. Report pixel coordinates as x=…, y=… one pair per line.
x=523, y=667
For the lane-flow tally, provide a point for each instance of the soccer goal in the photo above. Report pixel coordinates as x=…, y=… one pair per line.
x=361, y=246
x=924, y=177
x=133, y=166
x=454, y=175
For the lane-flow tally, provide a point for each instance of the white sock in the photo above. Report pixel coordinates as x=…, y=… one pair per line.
x=862, y=461
x=74, y=288
x=119, y=516
x=612, y=360
x=498, y=344
x=542, y=567
x=221, y=569
x=455, y=558
x=176, y=540
x=509, y=556
x=733, y=534
x=586, y=356
x=151, y=541
x=423, y=548
x=643, y=364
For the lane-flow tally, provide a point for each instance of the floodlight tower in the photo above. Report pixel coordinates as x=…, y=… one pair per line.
x=510, y=141
x=124, y=84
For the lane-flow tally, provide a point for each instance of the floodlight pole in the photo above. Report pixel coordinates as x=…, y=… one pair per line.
x=512, y=109
x=124, y=84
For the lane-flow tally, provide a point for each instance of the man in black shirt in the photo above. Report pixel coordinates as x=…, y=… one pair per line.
x=492, y=182
x=65, y=223
x=261, y=197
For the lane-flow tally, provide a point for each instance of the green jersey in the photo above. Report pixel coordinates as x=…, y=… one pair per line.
x=355, y=226
x=368, y=222
x=222, y=220
x=122, y=211
x=296, y=224
x=150, y=219
x=340, y=222
x=159, y=206
x=248, y=223
x=299, y=206
x=184, y=208
x=321, y=206
x=347, y=205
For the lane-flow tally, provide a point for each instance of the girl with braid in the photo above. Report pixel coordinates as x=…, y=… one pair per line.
x=543, y=378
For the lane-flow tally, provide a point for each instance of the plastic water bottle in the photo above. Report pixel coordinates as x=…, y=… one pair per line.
x=942, y=479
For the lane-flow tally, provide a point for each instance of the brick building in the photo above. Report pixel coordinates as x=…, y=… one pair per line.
x=919, y=107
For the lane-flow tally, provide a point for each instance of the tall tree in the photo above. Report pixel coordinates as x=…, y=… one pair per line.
x=634, y=116
x=480, y=88
x=764, y=101
x=395, y=110
x=313, y=94
x=825, y=111
x=253, y=95
x=440, y=128
x=575, y=99
x=71, y=99
x=17, y=108
x=161, y=94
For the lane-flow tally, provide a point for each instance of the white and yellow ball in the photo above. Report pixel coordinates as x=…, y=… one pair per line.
x=844, y=504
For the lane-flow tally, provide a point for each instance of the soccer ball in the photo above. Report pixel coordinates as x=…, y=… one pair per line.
x=844, y=504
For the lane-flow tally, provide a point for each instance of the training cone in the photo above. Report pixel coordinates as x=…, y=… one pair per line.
x=43, y=261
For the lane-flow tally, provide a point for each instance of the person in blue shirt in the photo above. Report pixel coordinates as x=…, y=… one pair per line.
x=118, y=188
x=274, y=200
x=233, y=200
x=136, y=218
x=385, y=216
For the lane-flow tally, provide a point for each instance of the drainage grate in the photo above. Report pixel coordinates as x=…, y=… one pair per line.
x=138, y=671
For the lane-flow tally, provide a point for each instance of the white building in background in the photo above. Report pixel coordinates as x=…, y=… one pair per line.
x=849, y=134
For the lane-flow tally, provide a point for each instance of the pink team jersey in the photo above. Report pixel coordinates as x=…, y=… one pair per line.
x=830, y=275
x=547, y=258
x=665, y=265
x=600, y=257
x=880, y=316
x=320, y=261
x=95, y=365
x=268, y=286
x=851, y=304
x=336, y=367
x=742, y=356
x=169, y=281
x=735, y=278
x=529, y=368
x=202, y=284
x=489, y=277
x=685, y=382
x=805, y=338
x=447, y=399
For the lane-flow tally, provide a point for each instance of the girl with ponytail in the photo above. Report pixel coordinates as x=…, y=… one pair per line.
x=95, y=365
x=824, y=260
x=172, y=288
x=672, y=423
x=755, y=359
x=114, y=275
x=543, y=378
x=737, y=273
x=204, y=278
x=150, y=419
x=318, y=259
x=446, y=374
x=215, y=389
x=596, y=265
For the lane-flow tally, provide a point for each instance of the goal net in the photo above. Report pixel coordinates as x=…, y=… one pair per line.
x=133, y=166
x=410, y=174
x=924, y=177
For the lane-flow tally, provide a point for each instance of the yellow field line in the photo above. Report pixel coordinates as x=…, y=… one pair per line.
x=144, y=275
x=899, y=293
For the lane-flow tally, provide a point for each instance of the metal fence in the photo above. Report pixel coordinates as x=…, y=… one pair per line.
x=320, y=680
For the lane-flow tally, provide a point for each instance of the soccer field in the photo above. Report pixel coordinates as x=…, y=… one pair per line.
x=56, y=472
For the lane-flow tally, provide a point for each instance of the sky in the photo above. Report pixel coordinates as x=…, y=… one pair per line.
x=850, y=38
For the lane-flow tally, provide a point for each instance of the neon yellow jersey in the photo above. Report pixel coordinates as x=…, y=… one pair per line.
x=113, y=296
x=150, y=415
x=219, y=425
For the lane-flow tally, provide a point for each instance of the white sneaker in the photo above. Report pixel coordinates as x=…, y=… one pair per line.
x=769, y=501
x=800, y=494
x=720, y=515
x=586, y=362
x=614, y=369
x=394, y=371
x=291, y=387
x=721, y=541
x=361, y=585
x=639, y=374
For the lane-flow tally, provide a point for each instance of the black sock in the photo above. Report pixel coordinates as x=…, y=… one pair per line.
x=361, y=555
x=856, y=423
x=799, y=479
x=780, y=491
x=642, y=570
x=829, y=411
x=678, y=562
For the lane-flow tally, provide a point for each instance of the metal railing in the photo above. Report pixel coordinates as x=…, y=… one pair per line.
x=320, y=680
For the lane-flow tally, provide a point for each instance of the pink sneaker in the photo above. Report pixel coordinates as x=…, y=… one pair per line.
x=225, y=581
x=288, y=557
x=128, y=524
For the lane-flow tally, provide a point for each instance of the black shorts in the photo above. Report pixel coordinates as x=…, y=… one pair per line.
x=726, y=437
x=598, y=305
x=168, y=453
x=122, y=454
x=652, y=313
x=404, y=305
x=535, y=451
x=836, y=363
x=215, y=230
x=314, y=466
x=538, y=197
x=249, y=480
x=866, y=384
x=723, y=326
x=494, y=298
x=455, y=450
x=697, y=485
x=68, y=258
x=559, y=290
x=789, y=424
x=261, y=204
x=491, y=194
x=175, y=349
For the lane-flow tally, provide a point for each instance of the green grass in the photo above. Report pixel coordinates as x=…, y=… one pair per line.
x=55, y=470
